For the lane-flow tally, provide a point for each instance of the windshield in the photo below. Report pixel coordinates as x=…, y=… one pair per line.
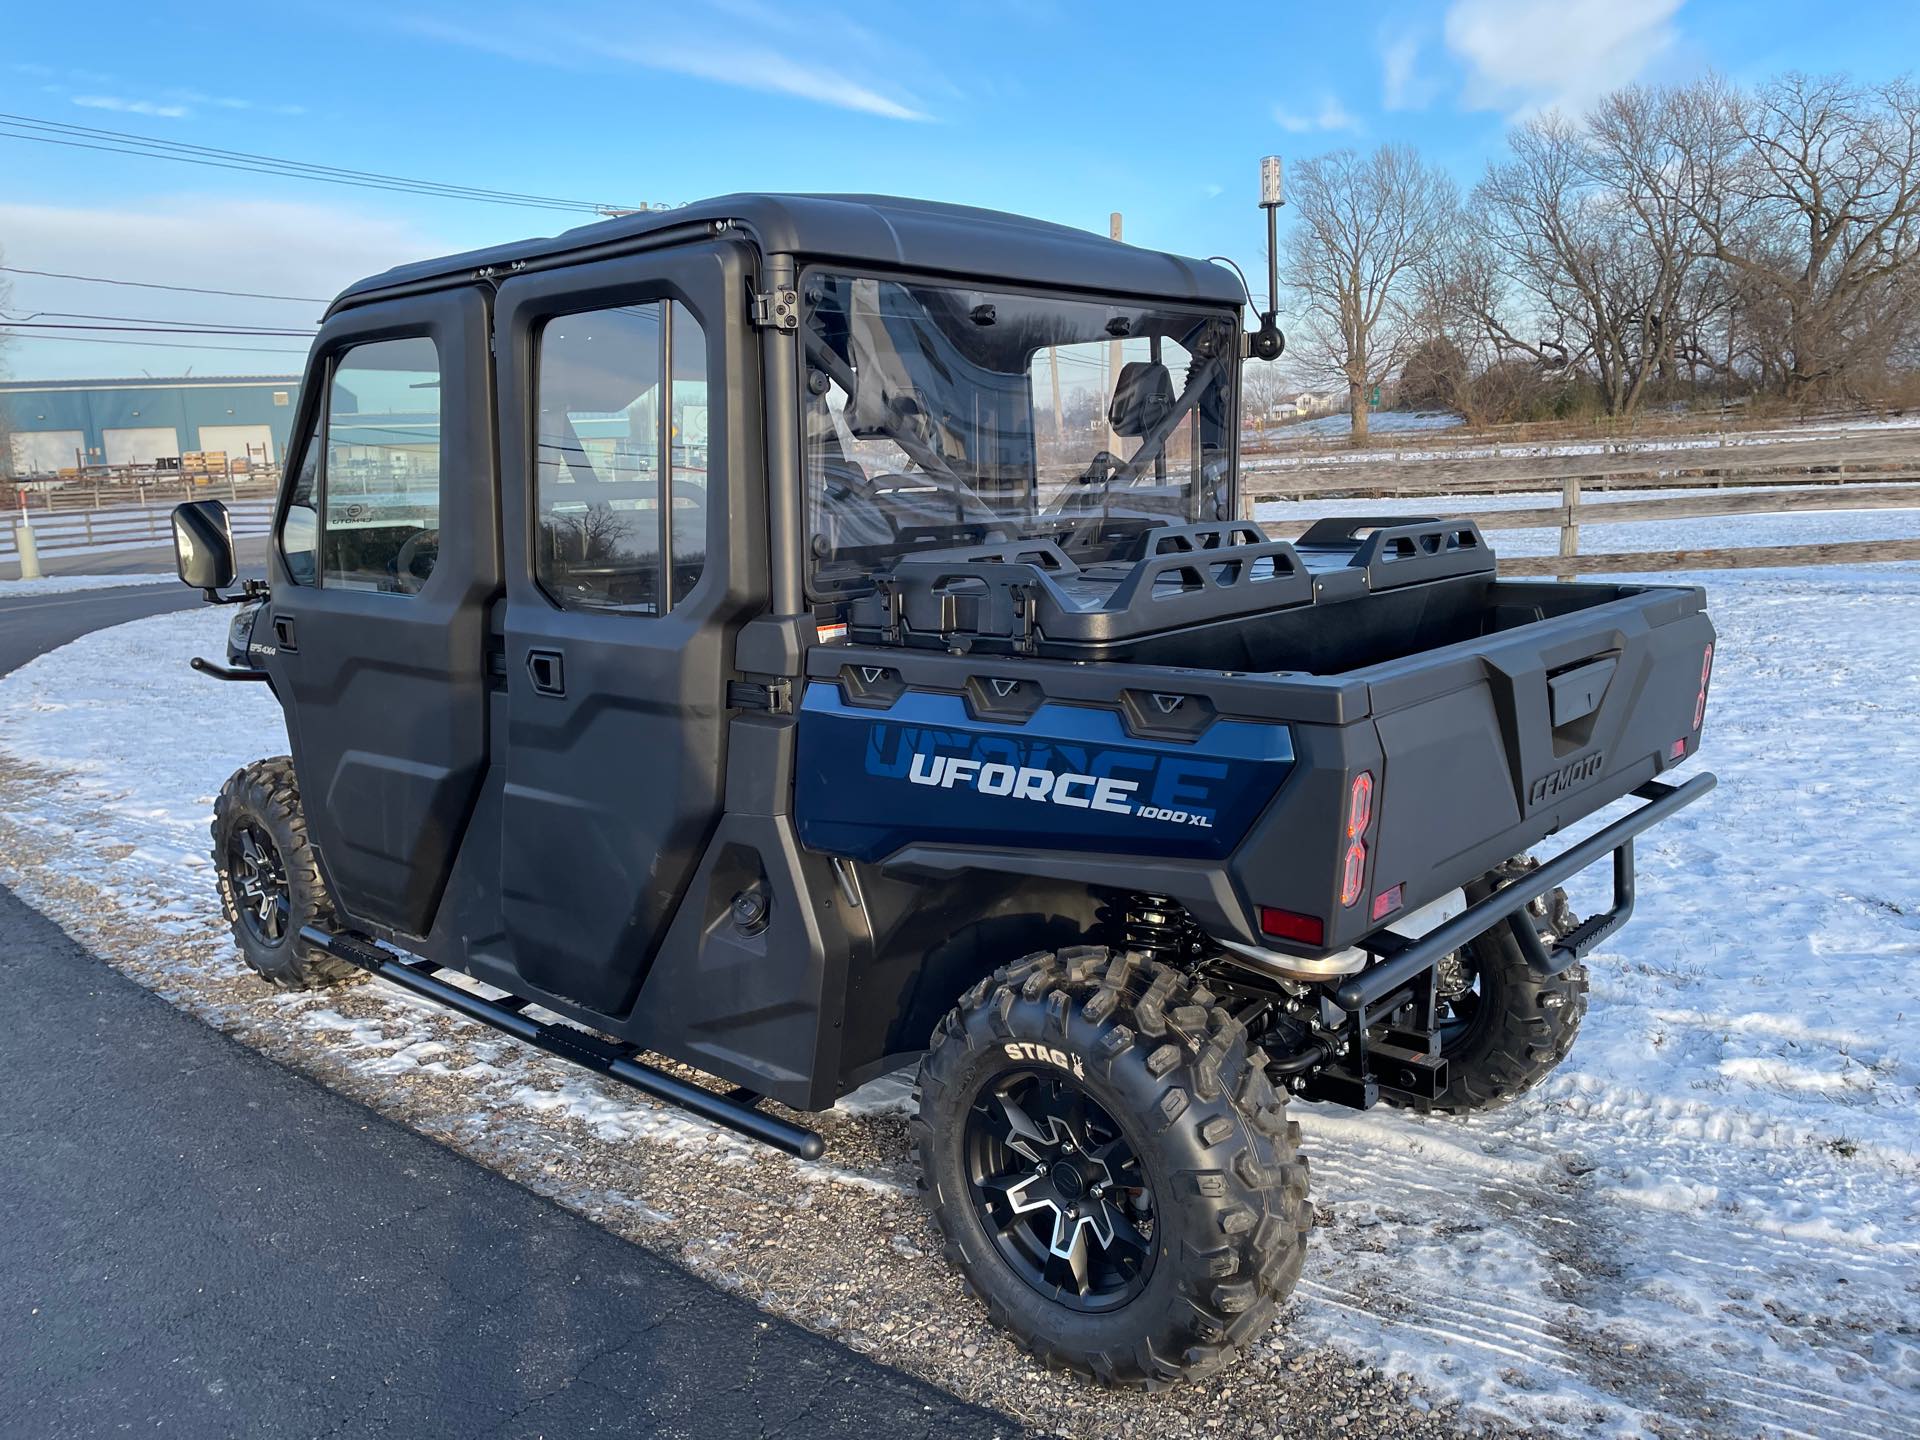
x=937, y=416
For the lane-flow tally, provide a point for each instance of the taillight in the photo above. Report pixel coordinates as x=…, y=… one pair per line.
x=1360, y=805
x=1353, y=869
x=1388, y=901
x=1700, y=704
x=1292, y=925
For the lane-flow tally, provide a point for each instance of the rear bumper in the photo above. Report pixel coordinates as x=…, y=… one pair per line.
x=1406, y=960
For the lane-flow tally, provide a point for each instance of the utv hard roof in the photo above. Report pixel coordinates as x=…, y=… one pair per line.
x=918, y=235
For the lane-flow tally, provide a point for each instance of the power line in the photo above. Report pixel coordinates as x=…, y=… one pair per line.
x=9, y=326
x=150, y=285
x=157, y=344
x=237, y=327
x=120, y=142
x=181, y=146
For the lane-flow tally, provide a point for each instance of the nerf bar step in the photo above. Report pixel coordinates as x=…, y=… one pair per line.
x=1616, y=840
x=605, y=1057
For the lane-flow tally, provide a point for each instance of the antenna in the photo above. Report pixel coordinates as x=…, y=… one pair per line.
x=1267, y=342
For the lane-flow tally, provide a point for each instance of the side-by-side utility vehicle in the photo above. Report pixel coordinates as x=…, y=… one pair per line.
x=779, y=640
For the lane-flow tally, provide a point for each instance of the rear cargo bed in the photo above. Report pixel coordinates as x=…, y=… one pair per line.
x=1489, y=713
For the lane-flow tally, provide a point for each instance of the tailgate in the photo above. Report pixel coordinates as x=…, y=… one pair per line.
x=1492, y=745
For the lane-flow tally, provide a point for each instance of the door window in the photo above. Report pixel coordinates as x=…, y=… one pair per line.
x=620, y=458
x=300, y=530
x=380, y=520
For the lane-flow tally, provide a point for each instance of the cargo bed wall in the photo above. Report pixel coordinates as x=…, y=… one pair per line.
x=1341, y=637
x=1486, y=755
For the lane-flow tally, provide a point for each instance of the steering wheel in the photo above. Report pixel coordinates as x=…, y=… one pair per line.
x=419, y=546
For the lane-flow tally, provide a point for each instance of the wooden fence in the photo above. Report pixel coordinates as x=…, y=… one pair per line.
x=123, y=527
x=1859, y=469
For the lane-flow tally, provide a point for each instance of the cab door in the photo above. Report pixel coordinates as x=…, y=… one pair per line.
x=631, y=519
x=385, y=562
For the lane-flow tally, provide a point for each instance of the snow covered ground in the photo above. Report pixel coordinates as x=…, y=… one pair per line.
x=1804, y=527
x=1380, y=422
x=1316, y=456
x=1707, y=1222
x=64, y=584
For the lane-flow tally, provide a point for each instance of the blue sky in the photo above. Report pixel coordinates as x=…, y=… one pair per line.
x=1048, y=108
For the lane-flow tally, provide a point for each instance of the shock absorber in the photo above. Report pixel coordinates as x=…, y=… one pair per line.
x=1154, y=926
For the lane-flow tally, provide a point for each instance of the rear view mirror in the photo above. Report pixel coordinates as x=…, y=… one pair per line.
x=203, y=545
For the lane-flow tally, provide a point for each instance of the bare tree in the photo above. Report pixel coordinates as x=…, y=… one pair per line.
x=1593, y=248
x=1263, y=386
x=1362, y=224
x=1807, y=191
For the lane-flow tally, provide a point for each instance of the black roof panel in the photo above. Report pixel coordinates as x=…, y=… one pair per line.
x=880, y=230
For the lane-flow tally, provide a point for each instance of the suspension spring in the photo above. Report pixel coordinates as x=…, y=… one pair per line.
x=1154, y=926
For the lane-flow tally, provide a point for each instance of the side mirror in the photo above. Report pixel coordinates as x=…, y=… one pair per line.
x=203, y=545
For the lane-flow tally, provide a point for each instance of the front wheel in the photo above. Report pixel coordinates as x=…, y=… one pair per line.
x=1111, y=1169
x=270, y=883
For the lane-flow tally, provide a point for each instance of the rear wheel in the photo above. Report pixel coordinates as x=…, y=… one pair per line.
x=1111, y=1169
x=1503, y=1027
x=269, y=880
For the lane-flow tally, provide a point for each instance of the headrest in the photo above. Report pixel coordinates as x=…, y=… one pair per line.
x=1142, y=398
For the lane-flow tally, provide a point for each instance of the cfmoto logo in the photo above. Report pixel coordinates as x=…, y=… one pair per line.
x=1574, y=772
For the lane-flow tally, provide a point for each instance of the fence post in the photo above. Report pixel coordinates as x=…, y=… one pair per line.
x=25, y=548
x=1569, y=525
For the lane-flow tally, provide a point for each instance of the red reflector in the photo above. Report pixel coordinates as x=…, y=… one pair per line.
x=1290, y=925
x=1352, y=873
x=1700, y=704
x=1360, y=805
x=1386, y=902
x=1678, y=750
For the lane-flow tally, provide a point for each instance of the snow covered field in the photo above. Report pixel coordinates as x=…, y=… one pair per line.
x=1803, y=527
x=1336, y=426
x=1707, y=1222
x=66, y=584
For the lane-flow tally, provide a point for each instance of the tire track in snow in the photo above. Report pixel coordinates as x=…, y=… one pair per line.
x=1620, y=1305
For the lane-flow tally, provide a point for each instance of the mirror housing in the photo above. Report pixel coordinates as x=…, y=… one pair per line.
x=203, y=545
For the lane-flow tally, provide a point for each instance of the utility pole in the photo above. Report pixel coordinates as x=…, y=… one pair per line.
x=1113, y=354
x=1059, y=415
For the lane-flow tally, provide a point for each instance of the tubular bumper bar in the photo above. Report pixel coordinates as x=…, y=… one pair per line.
x=221, y=672
x=609, y=1058
x=1616, y=839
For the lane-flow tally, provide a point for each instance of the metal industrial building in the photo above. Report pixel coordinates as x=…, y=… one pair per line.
x=61, y=424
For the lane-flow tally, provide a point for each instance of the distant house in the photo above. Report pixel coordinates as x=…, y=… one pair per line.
x=1318, y=402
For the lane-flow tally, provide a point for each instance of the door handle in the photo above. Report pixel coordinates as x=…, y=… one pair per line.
x=547, y=672
x=283, y=634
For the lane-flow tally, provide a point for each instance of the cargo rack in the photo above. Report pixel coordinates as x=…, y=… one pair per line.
x=1027, y=596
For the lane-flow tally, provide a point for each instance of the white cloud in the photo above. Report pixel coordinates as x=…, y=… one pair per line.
x=756, y=48
x=129, y=107
x=1531, y=55
x=1402, y=85
x=752, y=68
x=199, y=240
x=1331, y=115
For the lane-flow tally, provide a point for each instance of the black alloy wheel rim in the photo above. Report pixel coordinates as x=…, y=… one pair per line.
x=1060, y=1190
x=259, y=880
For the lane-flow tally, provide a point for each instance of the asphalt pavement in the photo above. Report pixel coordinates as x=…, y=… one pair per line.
x=200, y=1242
